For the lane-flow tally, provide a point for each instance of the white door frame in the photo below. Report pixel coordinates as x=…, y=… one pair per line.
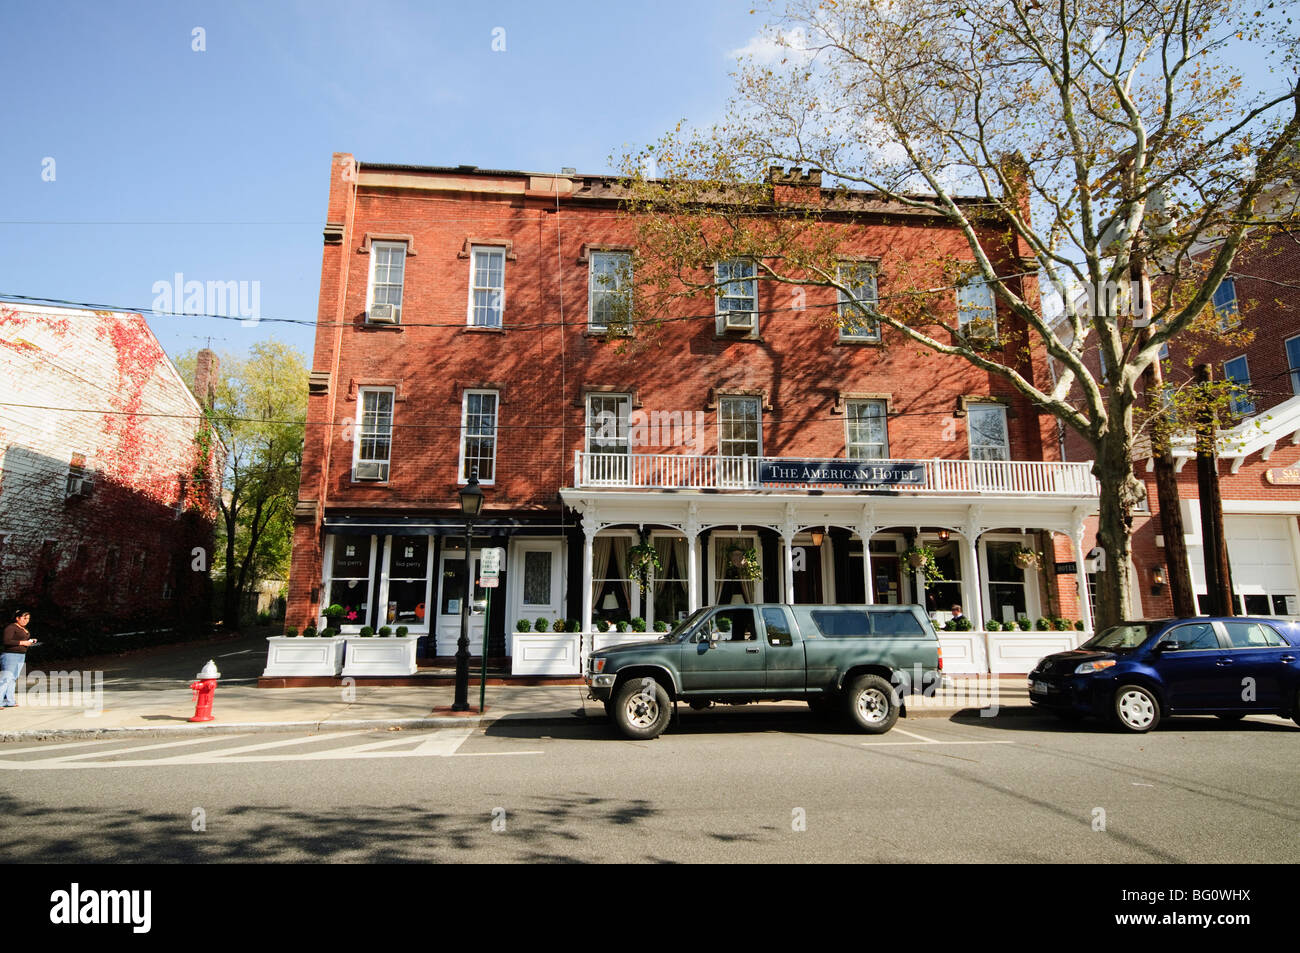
x=445, y=631
x=519, y=546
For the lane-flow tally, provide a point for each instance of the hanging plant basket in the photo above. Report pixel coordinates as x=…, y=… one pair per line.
x=916, y=560
x=924, y=559
x=1025, y=559
x=743, y=563
x=641, y=560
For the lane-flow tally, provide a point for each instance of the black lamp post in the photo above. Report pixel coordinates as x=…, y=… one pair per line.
x=471, y=504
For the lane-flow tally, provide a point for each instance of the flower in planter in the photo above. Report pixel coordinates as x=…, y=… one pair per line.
x=351, y=615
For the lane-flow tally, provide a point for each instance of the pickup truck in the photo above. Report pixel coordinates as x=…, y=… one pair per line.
x=863, y=660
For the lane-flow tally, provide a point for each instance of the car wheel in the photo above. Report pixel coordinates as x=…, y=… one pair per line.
x=1232, y=715
x=872, y=703
x=641, y=709
x=1136, y=708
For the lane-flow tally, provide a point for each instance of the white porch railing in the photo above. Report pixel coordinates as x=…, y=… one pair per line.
x=656, y=471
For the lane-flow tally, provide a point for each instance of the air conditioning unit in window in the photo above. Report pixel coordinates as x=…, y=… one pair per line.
x=384, y=313
x=369, y=470
x=738, y=321
x=79, y=485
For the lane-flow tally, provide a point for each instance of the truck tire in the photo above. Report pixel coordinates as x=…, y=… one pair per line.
x=641, y=709
x=872, y=704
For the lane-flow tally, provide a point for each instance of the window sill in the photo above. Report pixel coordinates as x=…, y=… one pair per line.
x=859, y=342
x=604, y=334
x=377, y=326
x=482, y=329
x=737, y=336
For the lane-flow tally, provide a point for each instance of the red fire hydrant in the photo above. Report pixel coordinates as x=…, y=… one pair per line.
x=204, y=690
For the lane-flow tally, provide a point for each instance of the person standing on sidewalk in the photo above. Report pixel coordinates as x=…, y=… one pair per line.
x=16, y=641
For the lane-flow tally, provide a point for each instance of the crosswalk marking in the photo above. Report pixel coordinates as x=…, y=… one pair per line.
x=923, y=740
x=440, y=743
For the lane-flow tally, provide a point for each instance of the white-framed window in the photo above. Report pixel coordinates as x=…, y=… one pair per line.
x=740, y=427
x=478, y=436
x=867, y=430
x=1293, y=362
x=986, y=425
x=80, y=480
x=609, y=296
x=487, y=286
x=405, y=582
x=729, y=583
x=607, y=423
x=1237, y=370
x=857, y=313
x=349, y=563
x=1225, y=304
x=976, y=302
x=737, y=295
x=373, y=446
x=387, y=270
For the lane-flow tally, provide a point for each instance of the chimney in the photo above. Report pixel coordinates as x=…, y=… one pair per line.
x=795, y=186
x=205, y=377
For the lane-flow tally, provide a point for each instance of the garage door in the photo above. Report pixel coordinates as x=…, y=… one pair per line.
x=1263, y=565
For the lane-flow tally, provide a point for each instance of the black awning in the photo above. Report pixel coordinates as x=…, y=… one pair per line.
x=389, y=525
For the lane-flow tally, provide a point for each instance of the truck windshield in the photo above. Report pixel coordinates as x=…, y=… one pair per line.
x=687, y=626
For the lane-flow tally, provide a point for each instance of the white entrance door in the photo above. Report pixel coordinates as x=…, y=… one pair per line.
x=451, y=594
x=536, y=582
x=1261, y=554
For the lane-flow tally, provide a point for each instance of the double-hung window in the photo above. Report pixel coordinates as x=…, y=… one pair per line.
x=737, y=295
x=387, y=268
x=374, y=436
x=977, y=313
x=1225, y=304
x=857, y=312
x=478, y=440
x=987, y=428
x=607, y=436
x=610, y=295
x=868, y=430
x=487, y=286
x=1237, y=370
x=740, y=427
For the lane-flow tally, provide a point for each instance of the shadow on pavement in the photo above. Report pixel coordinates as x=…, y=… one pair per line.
x=1093, y=726
x=724, y=720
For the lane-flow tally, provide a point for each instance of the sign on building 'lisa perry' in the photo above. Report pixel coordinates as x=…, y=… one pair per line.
x=843, y=472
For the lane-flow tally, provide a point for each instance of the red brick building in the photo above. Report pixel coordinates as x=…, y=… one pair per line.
x=462, y=326
x=1259, y=461
x=107, y=496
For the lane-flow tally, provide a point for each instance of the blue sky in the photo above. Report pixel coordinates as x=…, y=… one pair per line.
x=157, y=148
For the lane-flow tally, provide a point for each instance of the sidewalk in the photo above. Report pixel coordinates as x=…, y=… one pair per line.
x=244, y=707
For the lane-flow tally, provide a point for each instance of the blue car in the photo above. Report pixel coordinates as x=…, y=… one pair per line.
x=1136, y=673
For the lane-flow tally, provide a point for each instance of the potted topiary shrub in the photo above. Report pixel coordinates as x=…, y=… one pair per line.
x=622, y=625
x=1061, y=625
x=523, y=625
x=662, y=626
x=385, y=632
x=992, y=625
x=332, y=614
x=309, y=632
x=1023, y=623
x=575, y=625
x=1042, y=624
x=290, y=631
x=638, y=624
x=367, y=632
x=542, y=624
x=964, y=624
x=1078, y=625
x=402, y=631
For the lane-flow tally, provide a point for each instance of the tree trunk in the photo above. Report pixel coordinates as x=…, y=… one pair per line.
x=1119, y=490
x=230, y=597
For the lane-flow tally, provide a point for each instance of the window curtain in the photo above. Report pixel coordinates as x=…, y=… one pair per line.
x=621, y=545
x=599, y=565
x=721, y=566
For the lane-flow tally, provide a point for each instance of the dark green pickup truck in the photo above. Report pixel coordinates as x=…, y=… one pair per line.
x=863, y=659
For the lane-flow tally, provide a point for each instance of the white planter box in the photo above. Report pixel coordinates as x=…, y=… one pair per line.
x=963, y=653
x=297, y=655
x=603, y=640
x=1019, y=652
x=379, y=656
x=547, y=654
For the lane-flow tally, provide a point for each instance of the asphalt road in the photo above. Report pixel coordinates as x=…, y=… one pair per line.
x=730, y=785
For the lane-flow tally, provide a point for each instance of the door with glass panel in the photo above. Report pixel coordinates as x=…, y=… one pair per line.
x=535, y=583
x=451, y=596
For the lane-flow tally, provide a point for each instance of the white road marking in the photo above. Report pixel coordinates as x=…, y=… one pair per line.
x=5, y=749
x=244, y=652
x=923, y=740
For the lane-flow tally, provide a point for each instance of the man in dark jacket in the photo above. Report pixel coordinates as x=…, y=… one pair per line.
x=16, y=641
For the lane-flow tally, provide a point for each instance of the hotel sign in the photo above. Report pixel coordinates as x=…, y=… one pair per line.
x=862, y=473
x=1289, y=476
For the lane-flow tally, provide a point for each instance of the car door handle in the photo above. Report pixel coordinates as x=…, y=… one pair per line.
x=751, y=651
x=1223, y=662
x=1288, y=658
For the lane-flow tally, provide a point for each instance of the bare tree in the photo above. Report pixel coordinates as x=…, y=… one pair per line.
x=1109, y=149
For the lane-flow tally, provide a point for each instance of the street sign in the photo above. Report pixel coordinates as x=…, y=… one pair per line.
x=1066, y=569
x=490, y=562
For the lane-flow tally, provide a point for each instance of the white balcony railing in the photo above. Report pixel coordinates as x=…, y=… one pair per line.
x=662, y=471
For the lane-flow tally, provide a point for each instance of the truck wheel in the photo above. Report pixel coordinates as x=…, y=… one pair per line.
x=1136, y=709
x=872, y=704
x=641, y=709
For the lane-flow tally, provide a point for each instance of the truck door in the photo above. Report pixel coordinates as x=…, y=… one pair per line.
x=785, y=657
x=732, y=664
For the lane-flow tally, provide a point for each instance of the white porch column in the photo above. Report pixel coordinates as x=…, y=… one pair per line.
x=865, y=532
x=1081, y=577
x=787, y=543
x=974, y=608
x=692, y=529
x=589, y=534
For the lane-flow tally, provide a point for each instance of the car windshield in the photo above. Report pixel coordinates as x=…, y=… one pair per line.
x=1127, y=635
x=686, y=626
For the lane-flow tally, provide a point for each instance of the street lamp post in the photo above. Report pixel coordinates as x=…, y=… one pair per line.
x=471, y=504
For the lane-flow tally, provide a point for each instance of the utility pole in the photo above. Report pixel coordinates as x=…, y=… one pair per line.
x=1218, y=574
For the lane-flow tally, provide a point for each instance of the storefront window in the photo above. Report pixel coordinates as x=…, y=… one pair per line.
x=1007, y=595
x=408, y=580
x=942, y=596
x=670, y=603
x=350, y=578
x=730, y=579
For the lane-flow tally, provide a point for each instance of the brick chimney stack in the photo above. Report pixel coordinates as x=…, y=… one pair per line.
x=205, y=377
x=795, y=186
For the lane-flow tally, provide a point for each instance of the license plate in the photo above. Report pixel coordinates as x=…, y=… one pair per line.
x=1040, y=687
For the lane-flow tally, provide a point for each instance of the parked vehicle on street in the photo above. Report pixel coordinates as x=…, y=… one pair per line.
x=1137, y=673
x=861, y=660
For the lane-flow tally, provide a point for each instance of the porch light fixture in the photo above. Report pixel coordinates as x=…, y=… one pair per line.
x=817, y=538
x=943, y=535
x=471, y=504
x=1158, y=580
